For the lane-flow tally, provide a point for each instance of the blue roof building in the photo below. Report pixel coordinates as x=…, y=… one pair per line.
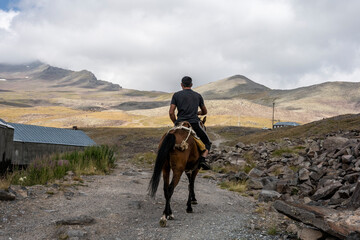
x=50, y=135
x=31, y=142
x=285, y=124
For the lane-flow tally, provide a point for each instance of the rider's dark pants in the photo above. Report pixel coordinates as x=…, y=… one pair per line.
x=201, y=133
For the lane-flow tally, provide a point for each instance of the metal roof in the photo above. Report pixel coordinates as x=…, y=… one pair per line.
x=4, y=124
x=50, y=135
x=287, y=123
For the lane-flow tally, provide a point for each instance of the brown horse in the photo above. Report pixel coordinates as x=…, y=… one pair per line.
x=178, y=152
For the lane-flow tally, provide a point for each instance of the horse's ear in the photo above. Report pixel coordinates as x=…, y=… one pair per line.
x=204, y=120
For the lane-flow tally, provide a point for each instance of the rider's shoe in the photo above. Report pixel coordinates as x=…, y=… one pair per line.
x=203, y=164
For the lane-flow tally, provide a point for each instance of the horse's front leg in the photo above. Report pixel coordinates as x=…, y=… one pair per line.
x=188, y=204
x=191, y=199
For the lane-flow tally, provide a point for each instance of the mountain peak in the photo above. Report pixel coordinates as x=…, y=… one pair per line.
x=231, y=87
x=238, y=77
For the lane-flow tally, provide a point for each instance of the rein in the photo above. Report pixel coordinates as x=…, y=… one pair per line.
x=183, y=145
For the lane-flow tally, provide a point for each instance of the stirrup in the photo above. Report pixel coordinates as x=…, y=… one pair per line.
x=203, y=164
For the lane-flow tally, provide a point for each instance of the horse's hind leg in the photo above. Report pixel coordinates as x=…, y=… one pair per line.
x=166, y=177
x=168, y=191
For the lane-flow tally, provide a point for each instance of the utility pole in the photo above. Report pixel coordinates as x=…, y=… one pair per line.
x=273, y=115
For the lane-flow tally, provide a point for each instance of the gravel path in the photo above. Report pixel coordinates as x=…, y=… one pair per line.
x=122, y=210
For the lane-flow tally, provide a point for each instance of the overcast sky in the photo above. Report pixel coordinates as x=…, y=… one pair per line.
x=151, y=44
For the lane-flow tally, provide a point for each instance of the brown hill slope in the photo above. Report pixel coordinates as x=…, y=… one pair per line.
x=341, y=123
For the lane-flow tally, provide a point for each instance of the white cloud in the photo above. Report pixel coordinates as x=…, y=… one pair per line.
x=152, y=44
x=6, y=18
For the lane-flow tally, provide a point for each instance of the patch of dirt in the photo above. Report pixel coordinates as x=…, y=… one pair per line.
x=121, y=208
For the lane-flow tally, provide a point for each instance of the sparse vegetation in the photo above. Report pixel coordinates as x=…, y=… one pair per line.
x=272, y=230
x=225, y=168
x=250, y=162
x=280, y=152
x=93, y=160
x=144, y=159
x=239, y=187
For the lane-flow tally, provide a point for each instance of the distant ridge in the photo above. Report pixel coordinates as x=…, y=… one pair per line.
x=52, y=77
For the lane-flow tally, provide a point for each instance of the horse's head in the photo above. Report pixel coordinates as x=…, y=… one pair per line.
x=202, y=123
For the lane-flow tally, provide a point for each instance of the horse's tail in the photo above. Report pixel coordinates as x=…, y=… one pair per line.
x=162, y=156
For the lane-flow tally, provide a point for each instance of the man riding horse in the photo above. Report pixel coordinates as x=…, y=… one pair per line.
x=187, y=102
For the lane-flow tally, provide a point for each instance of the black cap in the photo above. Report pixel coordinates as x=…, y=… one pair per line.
x=186, y=81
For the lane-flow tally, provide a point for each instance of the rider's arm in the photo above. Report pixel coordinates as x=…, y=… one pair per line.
x=172, y=112
x=203, y=110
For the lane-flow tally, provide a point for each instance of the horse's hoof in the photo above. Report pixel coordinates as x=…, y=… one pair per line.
x=189, y=210
x=194, y=202
x=163, y=222
x=171, y=217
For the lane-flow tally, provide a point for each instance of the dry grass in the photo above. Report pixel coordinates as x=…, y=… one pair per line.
x=5, y=183
x=146, y=160
x=239, y=187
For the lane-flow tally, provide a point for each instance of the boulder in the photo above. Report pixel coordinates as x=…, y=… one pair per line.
x=309, y=234
x=6, y=196
x=333, y=143
x=352, y=178
x=282, y=186
x=268, y=195
x=326, y=192
x=304, y=174
x=240, y=145
x=254, y=183
x=347, y=158
x=79, y=220
x=292, y=228
x=255, y=173
x=269, y=182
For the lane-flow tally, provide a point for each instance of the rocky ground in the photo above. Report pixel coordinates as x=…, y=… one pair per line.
x=321, y=174
x=116, y=206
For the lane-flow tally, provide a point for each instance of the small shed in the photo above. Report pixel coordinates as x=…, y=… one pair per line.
x=31, y=142
x=6, y=145
x=285, y=124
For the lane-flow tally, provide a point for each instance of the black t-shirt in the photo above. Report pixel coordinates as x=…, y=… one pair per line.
x=187, y=102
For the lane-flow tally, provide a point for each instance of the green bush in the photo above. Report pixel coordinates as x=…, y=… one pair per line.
x=93, y=160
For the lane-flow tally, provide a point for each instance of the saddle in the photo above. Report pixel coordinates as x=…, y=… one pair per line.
x=184, y=145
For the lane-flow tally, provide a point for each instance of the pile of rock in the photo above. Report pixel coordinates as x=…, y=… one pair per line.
x=323, y=171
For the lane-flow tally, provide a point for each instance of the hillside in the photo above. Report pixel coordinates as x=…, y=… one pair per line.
x=41, y=94
x=316, y=129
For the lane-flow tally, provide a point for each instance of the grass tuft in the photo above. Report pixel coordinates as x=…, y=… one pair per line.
x=272, y=231
x=144, y=159
x=239, y=187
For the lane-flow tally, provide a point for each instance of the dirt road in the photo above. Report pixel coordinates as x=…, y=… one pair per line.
x=122, y=210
